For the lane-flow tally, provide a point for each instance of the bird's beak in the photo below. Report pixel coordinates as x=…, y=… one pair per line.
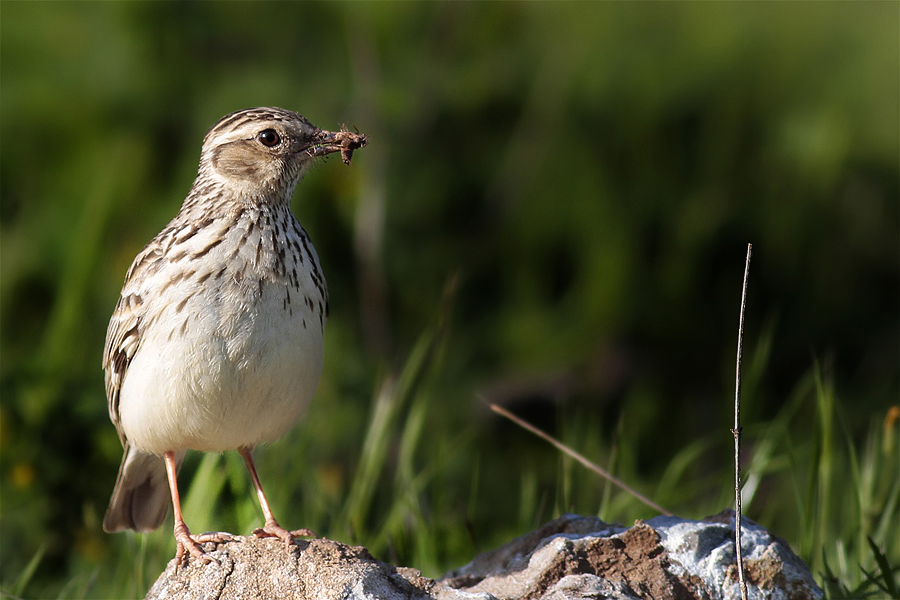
x=343, y=141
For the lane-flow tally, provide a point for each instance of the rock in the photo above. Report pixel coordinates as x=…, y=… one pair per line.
x=664, y=557
x=569, y=558
x=250, y=567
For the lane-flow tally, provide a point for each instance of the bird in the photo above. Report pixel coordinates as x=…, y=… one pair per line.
x=216, y=340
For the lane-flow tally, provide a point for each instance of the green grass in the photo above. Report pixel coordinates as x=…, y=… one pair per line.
x=596, y=200
x=418, y=493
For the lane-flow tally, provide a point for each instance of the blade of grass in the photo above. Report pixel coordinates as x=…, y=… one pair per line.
x=603, y=511
x=670, y=481
x=890, y=585
x=206, y=487
x=27, y=573
x=393, y=394
x=822, y=465
x=887, y=522
x=830, y=583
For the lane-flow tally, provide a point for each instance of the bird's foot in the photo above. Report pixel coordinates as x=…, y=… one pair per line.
x=190, y=544
x=273, y=529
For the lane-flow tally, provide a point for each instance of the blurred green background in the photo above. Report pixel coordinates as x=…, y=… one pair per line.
x=552, y=214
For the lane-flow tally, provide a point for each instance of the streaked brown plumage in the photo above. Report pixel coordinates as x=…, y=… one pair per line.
x=216, y=340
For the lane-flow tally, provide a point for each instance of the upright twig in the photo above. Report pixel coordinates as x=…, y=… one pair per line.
x=737, y=433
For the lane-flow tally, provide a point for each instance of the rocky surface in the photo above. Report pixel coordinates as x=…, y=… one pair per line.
x=569, y=558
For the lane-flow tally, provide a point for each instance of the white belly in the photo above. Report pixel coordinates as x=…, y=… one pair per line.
x=220, y=374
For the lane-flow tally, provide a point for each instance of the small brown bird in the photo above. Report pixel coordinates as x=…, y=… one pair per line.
x=216, y=341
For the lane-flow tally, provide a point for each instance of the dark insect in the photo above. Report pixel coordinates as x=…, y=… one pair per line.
x=350, y=141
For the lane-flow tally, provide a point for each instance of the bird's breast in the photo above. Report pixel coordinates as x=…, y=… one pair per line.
x=235, y=350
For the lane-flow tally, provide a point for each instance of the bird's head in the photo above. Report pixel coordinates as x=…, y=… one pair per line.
x=265, y=151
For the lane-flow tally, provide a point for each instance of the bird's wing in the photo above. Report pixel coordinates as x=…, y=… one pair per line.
x=128, y=323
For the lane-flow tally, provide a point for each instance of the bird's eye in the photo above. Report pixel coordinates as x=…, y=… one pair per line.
x=269, y=138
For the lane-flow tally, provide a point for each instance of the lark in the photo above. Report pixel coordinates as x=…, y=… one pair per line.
x=216, y=341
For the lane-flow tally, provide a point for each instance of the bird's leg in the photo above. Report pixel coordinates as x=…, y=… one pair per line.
x=183, y=538
x=271, y=528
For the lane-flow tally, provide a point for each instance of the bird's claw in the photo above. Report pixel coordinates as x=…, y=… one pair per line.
x=190, y=544
x=273, y=529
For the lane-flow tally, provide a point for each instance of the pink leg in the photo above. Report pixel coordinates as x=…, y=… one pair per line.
x=183, y=538
x=271, y=528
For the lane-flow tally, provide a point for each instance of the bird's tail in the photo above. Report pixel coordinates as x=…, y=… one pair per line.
x=141, y=497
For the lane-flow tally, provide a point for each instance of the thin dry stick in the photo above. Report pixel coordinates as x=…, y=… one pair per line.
x=737, y=434
x=584, y=461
